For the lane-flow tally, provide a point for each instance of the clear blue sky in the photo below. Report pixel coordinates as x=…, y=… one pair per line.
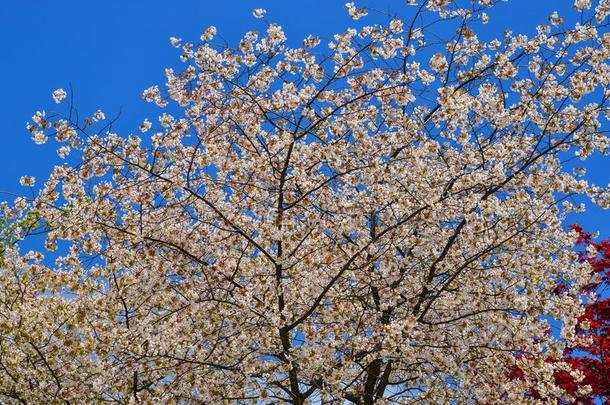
x=110, y=50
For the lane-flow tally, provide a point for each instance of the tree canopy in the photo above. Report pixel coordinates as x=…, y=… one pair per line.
x=371, y=218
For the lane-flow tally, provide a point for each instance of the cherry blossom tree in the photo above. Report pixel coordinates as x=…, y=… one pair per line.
x=372, y=218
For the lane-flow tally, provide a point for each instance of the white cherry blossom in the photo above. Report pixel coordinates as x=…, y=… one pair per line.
x=378, y=219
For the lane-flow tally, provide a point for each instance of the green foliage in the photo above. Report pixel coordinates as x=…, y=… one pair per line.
x=14, y=229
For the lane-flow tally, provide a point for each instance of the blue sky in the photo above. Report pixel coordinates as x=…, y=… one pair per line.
x=109, y=51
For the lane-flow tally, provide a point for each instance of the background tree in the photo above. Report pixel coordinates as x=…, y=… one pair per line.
x=587, y=380
x=377, y=222
x=592, y=356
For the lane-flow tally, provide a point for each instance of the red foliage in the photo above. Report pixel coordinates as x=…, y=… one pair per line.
x=592, y=360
